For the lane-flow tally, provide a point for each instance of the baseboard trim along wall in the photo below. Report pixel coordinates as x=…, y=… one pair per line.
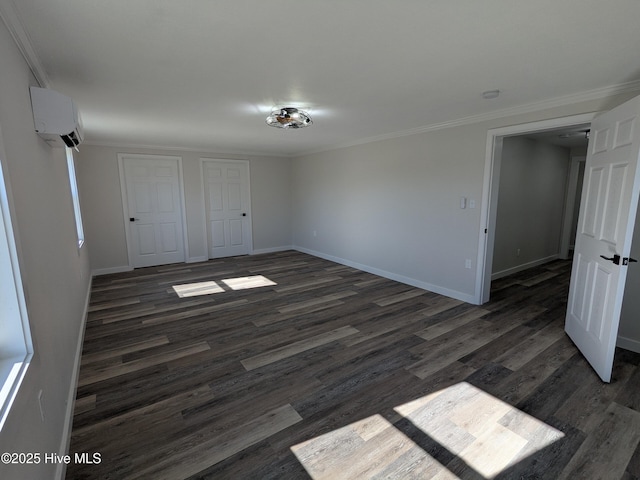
x=127, y=268
x=65, y=440
x=628, y=344
x=273, y=250
x=196, y=259
x=392, y=276
x=524, y=266
x=106, y=271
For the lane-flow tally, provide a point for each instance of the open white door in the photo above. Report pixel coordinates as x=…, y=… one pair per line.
x=605, y=229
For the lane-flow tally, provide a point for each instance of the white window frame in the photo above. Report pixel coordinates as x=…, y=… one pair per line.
x=75, y=196
x=16, y=347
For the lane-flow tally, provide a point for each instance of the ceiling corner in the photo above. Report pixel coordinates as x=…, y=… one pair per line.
x=9, y=15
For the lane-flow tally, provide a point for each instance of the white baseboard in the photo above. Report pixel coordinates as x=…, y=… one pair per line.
x=126, y=268
x=65, y=440
x=272, y=249
x=197, y=259
x=393, y=276
x=107, y=271
x=524, y=266
x=628, y=344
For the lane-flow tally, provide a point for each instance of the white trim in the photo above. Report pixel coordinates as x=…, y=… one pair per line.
x=15, y=26
x=239, y=154
x=391, y=276
x=284, y=248
x=197, y=259
x=628, y=344
x=524, y=266
x=183, y=205
x=107, y=271
x=14, y=311
x=570, y=205
x=65, y=439
x=204, y=210
x=493, y=154
x=595, y=94
x=75, y=197
x=204, y=200
x=125, y=203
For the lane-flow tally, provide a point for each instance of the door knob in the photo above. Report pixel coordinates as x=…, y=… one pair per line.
x=615, y=259
x=244, y=214
x=131, y=219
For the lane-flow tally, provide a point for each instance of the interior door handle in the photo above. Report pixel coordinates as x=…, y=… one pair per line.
x=615, y=259
x=131, y=219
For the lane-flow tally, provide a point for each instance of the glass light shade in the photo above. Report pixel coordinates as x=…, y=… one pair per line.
x=288, y=117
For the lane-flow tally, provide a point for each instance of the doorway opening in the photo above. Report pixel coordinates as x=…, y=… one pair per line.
x=539, y=188
x=500, y=141
x=493, y=162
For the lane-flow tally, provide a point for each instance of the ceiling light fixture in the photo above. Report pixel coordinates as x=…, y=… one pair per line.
x=288, y=117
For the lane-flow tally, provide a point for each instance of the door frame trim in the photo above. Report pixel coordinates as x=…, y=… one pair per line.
x=125, y=202
x=491, y=180
x=204, y=200
x=570, y=204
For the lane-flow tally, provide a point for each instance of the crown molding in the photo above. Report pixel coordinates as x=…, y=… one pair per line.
x=595, y=94
x=239, y=154
x=9, y=15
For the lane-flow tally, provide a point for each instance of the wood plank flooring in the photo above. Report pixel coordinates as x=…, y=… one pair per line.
x=294, y=367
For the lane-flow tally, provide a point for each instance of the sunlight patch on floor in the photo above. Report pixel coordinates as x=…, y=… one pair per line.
x=196, y=289
x=487, y=433
x=242, y=283
x=211, y=287
x=364, y=449
x=481, y=431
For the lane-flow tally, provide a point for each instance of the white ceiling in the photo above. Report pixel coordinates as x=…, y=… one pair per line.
x=204, y=74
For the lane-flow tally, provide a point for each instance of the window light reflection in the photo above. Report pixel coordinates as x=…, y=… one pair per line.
x=485, y=433
x=211, y=287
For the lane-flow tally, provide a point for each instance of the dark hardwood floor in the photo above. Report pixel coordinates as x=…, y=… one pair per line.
x=336, y=373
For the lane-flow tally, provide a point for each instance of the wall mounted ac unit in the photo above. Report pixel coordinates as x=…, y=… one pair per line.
x=56, y=118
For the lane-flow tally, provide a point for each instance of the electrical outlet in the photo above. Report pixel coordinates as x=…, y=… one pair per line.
x=517, y=252
x=467, y=263
x=315, y=234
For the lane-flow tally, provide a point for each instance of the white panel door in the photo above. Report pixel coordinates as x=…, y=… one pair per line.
x=603, y=241
x=227, y=201
x=154, y=210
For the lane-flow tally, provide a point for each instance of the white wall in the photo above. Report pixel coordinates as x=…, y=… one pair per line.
x=531, y=197
x=99, y=183
x=393, y=206
x=55, y=274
